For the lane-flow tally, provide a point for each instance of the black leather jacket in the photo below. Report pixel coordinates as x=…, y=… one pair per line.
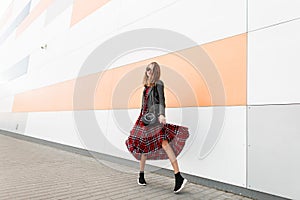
x=157, y=105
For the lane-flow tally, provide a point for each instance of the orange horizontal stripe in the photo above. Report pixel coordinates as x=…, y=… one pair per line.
x=230, y=57
x=186, y=84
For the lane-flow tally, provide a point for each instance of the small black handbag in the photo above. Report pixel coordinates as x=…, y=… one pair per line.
x=150, y=118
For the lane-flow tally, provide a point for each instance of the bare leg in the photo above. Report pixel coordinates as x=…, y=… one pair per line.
x=142, y=162
x=168, y=149
x=141, y=179
x=179, y=180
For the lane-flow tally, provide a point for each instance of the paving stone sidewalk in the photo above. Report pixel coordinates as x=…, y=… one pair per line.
x=32, y=171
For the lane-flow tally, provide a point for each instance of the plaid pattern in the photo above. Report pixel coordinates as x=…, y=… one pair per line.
x=148, y=139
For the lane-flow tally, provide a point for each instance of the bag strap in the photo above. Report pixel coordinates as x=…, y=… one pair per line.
x=154, y=88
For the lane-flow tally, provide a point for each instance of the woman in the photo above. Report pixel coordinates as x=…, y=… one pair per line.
x=161, y=140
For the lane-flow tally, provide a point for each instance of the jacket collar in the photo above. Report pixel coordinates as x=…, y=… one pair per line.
x=150, y=90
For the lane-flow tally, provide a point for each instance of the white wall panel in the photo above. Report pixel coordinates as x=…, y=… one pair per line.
x=61, y=68
x=34, y=3
x=91, y=127
x=119, y=125
x=227, y=161
x=56, y=8
x=6, y=122
x=274, y=151
x=53, y=36
x=18, y=6
x=71, y=128
x=53, y=126
x=98, y=25
x=135, y=56
x=5, y=91
x=269, y=12
x=201, y=21
x=13, y=72
x=14, y=24
x=212, y=23
x=14, y=122
x=25, y=44
x=7, y=38
x=135, y=10
x=273, y=65
x=6, y=104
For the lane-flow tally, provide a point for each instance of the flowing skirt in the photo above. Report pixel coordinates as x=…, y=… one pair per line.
x=147, y=140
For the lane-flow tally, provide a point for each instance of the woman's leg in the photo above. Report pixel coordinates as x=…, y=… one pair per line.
x=169, y=151
x=143, y=162
x=179, y=180
x=141, y=180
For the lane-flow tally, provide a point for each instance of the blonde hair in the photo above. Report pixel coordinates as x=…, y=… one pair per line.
x=150, y=81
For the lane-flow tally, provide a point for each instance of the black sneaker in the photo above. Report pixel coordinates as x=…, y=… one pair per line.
x=179, y=183
x=141, y=181
x=179, y=187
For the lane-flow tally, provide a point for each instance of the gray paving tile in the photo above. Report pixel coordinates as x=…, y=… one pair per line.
x=33, y=171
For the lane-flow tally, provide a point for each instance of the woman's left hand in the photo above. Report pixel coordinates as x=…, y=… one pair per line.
x=162, y=119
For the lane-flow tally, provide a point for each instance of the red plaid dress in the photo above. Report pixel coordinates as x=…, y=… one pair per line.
x=148, y=139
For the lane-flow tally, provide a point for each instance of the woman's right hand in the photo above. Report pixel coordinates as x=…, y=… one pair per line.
x=162, y=119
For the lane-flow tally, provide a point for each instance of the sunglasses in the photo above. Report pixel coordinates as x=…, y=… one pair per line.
x=148, y=69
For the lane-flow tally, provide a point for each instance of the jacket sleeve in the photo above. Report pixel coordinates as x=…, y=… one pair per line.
x=161, y=97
